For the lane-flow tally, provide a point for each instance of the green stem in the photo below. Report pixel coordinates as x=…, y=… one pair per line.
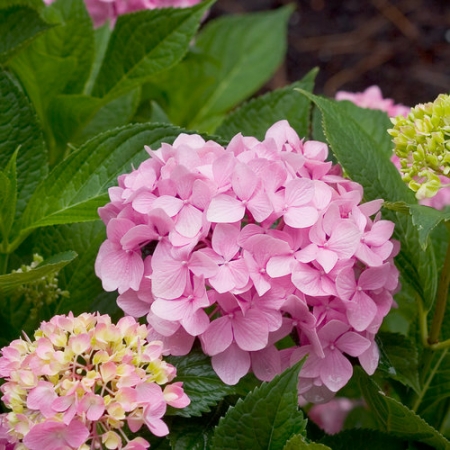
x=428, y=381
x=441, y=300
x=3, y=263
x=423, y=321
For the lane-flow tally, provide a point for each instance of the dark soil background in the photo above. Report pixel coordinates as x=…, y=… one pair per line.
x=401, y=45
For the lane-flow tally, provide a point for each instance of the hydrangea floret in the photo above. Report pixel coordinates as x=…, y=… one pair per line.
x=85, y=383
x=244, y=245
x=422, y=143
x=102, y=11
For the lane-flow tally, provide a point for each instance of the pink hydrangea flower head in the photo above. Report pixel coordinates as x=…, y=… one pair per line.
x=98, y=382
x=244, y=244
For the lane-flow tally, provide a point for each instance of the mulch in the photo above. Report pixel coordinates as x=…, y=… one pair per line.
x=403, y=46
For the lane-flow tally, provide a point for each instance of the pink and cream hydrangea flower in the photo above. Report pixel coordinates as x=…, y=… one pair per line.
x=243, y=245
x=83, y=381
x=102, y=11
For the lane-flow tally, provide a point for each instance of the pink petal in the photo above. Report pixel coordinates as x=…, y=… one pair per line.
x=218, y=336
x=336, y=370
x=353, y=343
x=250, y=331
x=361, y=310
x=231, y=365
x=224, y=208
x=301, y=217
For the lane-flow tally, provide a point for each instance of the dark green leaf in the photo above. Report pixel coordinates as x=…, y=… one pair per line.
x=144, y=44
x=200, y=383
x=397, y=419
x=426, y=219
x=401, y=359
x=59, y=61
x=19, y=129
x=256, y=116
x=266, y=419
x=19, y=25
x=363, y=439
x=191, y=434
x=114, y=114
x=8, y=197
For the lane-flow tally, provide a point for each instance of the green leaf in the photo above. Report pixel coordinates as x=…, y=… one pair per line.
x=363, y=439
x=11, y=281
x=298, y=443
x=19, y=129
x=114, y=114
x=375, y=123
x=8, y=196
x=144, y=44
x=396, y=419
x=266, y=419
x=194, y=433
x=20, y=24
x=255, y=117
x=364, y=160
x=426, y=219
x=59, y=61
x=200, y=382
x=234, y=56
x=400, y=360
x=75, y=189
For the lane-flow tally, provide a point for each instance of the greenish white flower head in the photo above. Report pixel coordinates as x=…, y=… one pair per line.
x=422, y=143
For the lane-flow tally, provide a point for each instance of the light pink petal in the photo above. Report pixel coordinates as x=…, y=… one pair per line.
x=301, y=217
x=189, y=221
x=170, y=205
x=218, y=336
x=381, y=231
x=231, y=365
x=345, y=239
x=368, y=256
x=336, y=371
x=196, y=323
x=224, y=240
x=169, y=278
x=346, y=284
x=202, y=265
x=299, y=192
x=260, y=206
x=122, y=270
x=266, y=363
x=251, y=331
x=369, y=359
x=136, y=236
x=374, y=278
x=131, y=304
x=326, y=258
x=244, y=181
x=361, y=310
x=353, y=343
x=41, y=397
x=279, y=266
x=224, y=208
x=332, y=330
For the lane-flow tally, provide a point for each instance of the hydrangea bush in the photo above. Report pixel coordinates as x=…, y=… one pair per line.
x=182, y=266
